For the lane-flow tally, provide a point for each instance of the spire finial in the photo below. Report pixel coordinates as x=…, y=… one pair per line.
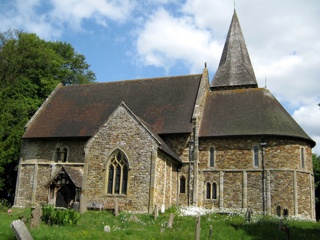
x=205, y=64
x=234, y=5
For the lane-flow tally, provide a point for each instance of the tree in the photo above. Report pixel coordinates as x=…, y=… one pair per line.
x=30, y=68
x=316, y=172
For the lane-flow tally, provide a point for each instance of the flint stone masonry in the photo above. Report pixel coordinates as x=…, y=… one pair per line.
x=122, y=131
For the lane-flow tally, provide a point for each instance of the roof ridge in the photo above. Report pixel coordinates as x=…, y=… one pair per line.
x=134, y=80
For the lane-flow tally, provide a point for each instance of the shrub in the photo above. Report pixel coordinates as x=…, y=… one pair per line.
x=55, y=216
x=4, y=205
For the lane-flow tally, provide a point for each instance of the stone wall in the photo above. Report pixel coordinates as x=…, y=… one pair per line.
x=43, y=150
x=289, y=182
x=37, y=166
x=124, y=132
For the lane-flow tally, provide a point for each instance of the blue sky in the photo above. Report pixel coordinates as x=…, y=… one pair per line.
x=131, y=39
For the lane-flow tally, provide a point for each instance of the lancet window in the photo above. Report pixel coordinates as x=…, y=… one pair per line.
x=117, y=180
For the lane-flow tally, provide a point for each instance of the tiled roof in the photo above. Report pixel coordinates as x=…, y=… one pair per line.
x=235, y=69
x=166, y=104
x=247, y=112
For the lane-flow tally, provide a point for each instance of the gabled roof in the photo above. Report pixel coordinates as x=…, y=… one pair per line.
x=246, y=112
x=74, y=173
x=235, y=69
x=161, y=144
x=166, y=104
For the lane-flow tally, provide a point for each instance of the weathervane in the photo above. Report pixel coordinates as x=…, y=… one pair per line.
x=234, y=4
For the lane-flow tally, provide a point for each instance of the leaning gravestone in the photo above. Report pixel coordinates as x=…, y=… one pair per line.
x=36, y=217
x=20, y=230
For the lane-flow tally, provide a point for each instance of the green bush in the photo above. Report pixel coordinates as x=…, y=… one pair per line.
x=55, y=216
x=4, y=205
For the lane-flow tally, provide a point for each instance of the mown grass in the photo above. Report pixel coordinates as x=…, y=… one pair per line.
x=124, y=226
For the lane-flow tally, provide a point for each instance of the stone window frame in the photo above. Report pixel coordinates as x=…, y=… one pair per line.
x=212, y=157
x=255, y=156
x=117, y=163
x=184, y=189
x=61, y=154
x=211, y=193
x=302, y=157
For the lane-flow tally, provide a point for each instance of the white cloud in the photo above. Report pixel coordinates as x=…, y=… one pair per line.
x=73, y=12
x=164, y=40
x=50, y=20
x=308, y=117
x=22, y=15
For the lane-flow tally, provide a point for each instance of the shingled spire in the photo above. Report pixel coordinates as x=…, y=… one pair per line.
x=235, y=69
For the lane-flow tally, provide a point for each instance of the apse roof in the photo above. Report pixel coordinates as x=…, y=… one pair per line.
x=242, y=112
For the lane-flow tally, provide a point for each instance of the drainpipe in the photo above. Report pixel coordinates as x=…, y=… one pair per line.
x=263, y=144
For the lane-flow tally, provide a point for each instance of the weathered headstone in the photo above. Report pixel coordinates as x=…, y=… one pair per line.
x=156, y=212
x=35, y=220
x=106, y=228
x=76, y=206
x=20, y=230
x=170, y=220
x=249, y=214
x=133, y=218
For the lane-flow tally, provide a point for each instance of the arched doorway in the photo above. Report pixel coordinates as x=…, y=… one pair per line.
x=63, y=197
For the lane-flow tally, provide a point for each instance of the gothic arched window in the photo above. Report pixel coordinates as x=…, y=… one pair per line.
x=117, y=179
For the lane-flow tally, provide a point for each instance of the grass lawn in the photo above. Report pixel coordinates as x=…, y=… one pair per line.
x=143, y=226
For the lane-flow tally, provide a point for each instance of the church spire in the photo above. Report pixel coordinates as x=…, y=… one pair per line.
x=235, y=69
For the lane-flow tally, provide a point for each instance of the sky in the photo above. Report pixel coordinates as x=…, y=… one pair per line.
x=134, y=39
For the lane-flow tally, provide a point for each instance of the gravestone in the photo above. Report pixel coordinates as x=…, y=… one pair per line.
x=35, y=221
x=76, y=206
x=170, y=220
x=133, y=218
x=20, y=230
x=107, y=228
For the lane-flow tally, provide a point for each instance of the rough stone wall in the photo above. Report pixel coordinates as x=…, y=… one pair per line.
x=232, y=190
x=234, y=157
x=304, y=194
x=123, y=131
x=160, y=181
x=37, y=166
x=24, y=196
x=282, y=193
x=254, y=191
x=44, y=172
x=209, y=177
x=179, y=143
x=44, y=149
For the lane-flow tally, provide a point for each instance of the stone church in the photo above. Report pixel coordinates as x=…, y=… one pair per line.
x=186, y=140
